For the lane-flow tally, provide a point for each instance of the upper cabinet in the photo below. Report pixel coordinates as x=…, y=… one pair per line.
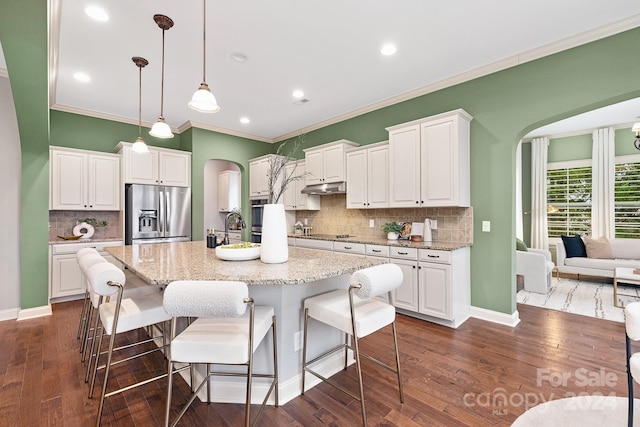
x=160, y=166
x=293, y=198
x=83, y=180
x=228, y=191
x=326, y=163
x=368, y=177
x=429, y=161
x=259, y=177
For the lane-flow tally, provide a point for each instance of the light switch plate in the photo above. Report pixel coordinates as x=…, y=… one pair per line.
x=486, y=226
x=372, y=223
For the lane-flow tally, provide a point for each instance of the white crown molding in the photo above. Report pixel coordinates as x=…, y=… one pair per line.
x=581, y=132
x=98, y=115
x=189, y=124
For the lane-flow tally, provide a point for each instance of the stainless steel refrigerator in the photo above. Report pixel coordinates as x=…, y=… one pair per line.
x=156, y=214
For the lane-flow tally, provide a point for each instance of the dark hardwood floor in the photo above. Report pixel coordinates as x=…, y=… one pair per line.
x=481, y=374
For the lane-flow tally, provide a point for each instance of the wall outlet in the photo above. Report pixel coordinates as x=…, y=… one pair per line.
x=297, y=341
x=434, y=224
x=306, y=221
x=372, y=223
x=486, y=226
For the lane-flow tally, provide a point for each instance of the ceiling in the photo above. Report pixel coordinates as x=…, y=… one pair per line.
x=329, y=49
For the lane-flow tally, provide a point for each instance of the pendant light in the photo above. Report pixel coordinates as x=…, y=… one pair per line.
x=139, y=146
x=203, y=100
x=636, y=129
x=160, y=129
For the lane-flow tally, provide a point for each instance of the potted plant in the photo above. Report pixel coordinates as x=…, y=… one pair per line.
x=393, y=230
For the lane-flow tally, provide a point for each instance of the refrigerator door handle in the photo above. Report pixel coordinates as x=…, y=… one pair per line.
x=161, y=220
x=167, y=216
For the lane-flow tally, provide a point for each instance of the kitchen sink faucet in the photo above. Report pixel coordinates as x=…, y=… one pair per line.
x=225, y=240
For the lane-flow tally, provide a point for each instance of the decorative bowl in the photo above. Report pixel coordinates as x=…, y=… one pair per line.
x=69, y=237
x=238, y=252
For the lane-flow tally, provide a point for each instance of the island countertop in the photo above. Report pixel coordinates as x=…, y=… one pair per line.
x=162, y=263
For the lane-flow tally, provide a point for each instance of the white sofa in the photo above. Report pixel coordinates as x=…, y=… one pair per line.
x=536, y=267
x=626, y=253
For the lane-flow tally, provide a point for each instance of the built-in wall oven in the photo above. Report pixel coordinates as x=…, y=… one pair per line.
x=257, y=209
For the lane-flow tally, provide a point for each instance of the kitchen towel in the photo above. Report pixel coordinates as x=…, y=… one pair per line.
x=205, y=298
x=99, y=276
x=377, y=280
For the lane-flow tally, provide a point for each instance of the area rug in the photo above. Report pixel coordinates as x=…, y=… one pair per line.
x=580, y=411
x=582, y=297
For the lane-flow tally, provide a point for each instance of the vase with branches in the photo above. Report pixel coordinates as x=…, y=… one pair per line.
x=278, y=178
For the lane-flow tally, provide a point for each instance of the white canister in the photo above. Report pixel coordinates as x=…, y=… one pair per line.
x=426, y=232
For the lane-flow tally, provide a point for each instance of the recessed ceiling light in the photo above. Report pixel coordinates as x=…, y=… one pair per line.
x=245, y=120
x=97, y=13
x=81, y=77
x=388, y=49
x=298, y=94
x=239, y=57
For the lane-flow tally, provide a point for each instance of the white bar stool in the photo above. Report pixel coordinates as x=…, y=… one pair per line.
x=117, y=316
x=632, y=327
x=79, y=255
x=225, y=333
x=356, y=313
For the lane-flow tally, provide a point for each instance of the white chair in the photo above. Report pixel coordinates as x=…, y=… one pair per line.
x=92, y=256
x=356, y=313
x=117, y=316
x=632, y=327
x=225, y=333
x=536, y=267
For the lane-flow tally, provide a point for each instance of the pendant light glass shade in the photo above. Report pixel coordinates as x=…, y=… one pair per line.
x=203, y=100
x=139, y=146
x=160, y=129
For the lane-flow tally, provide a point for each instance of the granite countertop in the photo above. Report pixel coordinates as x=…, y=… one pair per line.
x=444, y=246
x=162, y=263
x=59, y=241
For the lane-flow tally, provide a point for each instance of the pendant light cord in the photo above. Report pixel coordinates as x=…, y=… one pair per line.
x=140, y=102
x=162, y=80
x=204, y=40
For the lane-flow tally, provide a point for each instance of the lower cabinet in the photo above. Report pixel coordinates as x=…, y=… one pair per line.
x=66, y=281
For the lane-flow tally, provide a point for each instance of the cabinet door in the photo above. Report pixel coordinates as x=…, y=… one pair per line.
x=104, y=183
x=404, y=167
x=377, y=177
x=438, y=150
x=66, y=277
x=406, y=296
x=333, y=159
x=357, y=179
x=223, y=192
x=175, y=169
x=289, y=197
x=68, y=180
x=435, y=290
x=140, y=168
x=315, y=167
x=258, y=179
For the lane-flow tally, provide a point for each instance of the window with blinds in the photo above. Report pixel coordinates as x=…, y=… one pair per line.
x=569, y=190
x=627, y=200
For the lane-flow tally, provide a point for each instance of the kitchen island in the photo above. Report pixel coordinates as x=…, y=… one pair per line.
x=283, y=286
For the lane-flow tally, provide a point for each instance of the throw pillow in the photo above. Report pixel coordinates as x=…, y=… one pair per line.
x=574, y=246
x=521, y=246
x=598, y=248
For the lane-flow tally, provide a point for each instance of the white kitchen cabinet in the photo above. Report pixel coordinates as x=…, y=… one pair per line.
x=259, y=178
x=66, y=280
x=326, y=163
x=83, y=180
x=234, y=236
x=160, y=166
x=293, y=198
x=406, y=296
x=368, y=177
x=228, y=191
x=429, y=161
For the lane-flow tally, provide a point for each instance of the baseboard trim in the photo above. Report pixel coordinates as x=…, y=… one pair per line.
x=9, y=314
x=495, y=316
x=32, y=313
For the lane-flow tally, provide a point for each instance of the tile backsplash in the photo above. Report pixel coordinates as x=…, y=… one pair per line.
x=454, y=224
x=61, y=223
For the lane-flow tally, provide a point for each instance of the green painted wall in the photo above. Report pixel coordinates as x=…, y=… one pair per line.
x=505, y=105
x=23, y=34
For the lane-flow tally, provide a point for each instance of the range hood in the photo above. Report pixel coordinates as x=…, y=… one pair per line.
x=332, y=188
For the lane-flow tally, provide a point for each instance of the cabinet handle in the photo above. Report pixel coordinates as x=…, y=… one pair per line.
x=348, y=247
x=403, y=253
x=413, y=266
x=376, y=250
x=417, y=202
x=433, y=256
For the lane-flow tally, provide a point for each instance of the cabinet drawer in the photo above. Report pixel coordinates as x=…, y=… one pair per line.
x=354, y=248
x=433, y=255
x=315, y=244
x=72, y=248
x=377, y=250
x=403, y=253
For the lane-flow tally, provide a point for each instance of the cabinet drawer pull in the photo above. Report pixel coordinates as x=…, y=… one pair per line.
x=403, y=253
x=376, y=250
x=348, y=247
x=433, y=256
